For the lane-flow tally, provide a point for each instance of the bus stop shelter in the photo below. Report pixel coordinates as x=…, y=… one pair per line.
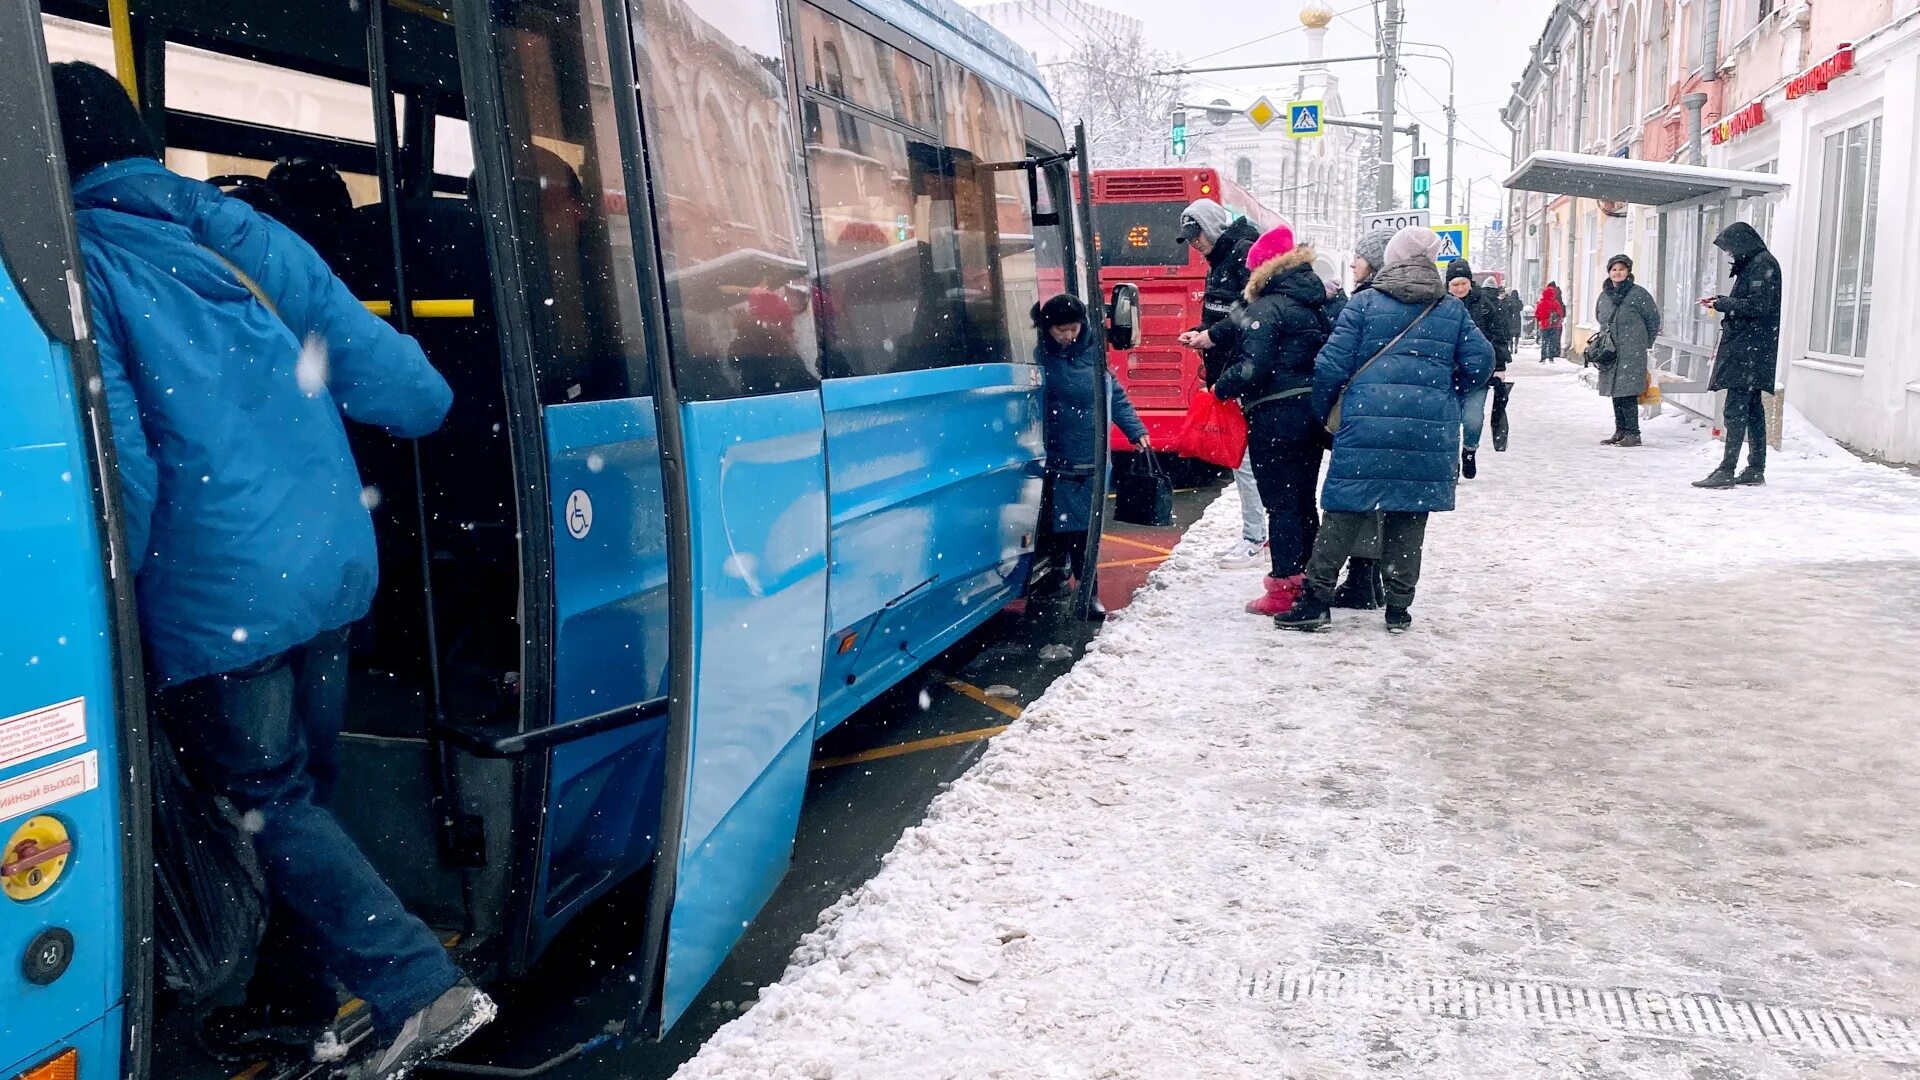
x=1691, y=204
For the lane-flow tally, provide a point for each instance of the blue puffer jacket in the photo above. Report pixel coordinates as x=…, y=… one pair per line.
x=244, y=513
x=1399, y=435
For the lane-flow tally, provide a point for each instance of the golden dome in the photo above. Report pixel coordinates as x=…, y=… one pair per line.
x=1316, y=15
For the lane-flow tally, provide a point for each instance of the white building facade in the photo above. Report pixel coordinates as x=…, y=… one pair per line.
x=1825, y=96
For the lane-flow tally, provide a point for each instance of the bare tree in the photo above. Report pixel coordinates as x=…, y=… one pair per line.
x=1127, y=111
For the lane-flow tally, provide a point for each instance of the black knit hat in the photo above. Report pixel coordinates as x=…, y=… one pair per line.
x=1062, y=310
x=1458, y=268
x=98, y=123
x=1623, y=260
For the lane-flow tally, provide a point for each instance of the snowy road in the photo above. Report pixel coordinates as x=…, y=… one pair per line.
x=1635, y=799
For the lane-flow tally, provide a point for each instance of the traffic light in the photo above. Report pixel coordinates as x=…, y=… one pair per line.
x=1179, y=133
x=1422, y=182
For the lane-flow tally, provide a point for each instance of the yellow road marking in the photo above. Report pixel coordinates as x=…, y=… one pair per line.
x=915, y=747
x=1135, y=543
x=1151, y=560
x=1003, y=707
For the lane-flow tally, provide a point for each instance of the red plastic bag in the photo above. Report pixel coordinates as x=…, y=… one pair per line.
x=1216, y=431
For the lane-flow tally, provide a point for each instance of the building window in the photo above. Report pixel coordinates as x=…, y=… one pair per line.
x=1843, y=273
x=1627, y=112
x=1657, y=56
x=1243, y=172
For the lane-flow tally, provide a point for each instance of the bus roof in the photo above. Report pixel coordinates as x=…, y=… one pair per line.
x=959, y=33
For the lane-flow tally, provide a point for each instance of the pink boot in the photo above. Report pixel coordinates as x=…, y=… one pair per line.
x=1280, y=595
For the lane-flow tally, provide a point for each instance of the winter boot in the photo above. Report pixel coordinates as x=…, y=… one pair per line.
x=1631, y=438
x=1362, y=588
x=1751, y=477
x=1614, y=439
x=1309, y=612
x=450, y=1020
x=1468, y=468
x=1399, y=620
x=1718, y=478
x=1280, y=596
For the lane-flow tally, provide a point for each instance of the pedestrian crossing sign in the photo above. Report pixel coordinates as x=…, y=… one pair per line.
x=1453, y=242
x=1303, y=119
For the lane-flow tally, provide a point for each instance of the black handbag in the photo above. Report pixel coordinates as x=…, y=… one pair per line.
x=1144, y=493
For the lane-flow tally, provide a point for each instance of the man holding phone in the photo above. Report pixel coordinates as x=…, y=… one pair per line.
x=1745, y=363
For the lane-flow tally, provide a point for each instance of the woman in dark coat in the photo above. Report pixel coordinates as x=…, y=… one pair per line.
x=1070, y=360
x=1285, y=324
x=1628, y=314
x=1400, y=360
x=1749, y=352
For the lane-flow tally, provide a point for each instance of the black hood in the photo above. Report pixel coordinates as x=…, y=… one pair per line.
x=1299, y=284
x=1230, y=239
x=1740, y=240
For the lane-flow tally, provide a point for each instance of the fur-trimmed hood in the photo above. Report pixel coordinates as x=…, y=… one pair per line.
x=1275, y=269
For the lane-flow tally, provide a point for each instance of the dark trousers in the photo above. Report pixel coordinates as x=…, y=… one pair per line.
x=1068, y=553
x=1549, y=343
x=265, y=737
x=1287, y=471
x=1401, y=537
x=1626, y=415
x=1746, y=421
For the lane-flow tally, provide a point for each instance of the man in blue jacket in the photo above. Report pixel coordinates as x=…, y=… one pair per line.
x=229, y=353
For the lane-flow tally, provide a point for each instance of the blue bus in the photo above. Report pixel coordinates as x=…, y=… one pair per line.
x=733, y=297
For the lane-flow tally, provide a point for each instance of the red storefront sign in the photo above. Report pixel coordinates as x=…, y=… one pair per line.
x=1742, y=121
x=1819, y=76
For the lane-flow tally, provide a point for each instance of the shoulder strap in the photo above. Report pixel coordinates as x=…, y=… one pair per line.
x=246, y=279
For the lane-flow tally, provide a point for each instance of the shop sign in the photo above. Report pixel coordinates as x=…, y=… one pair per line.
x=1819, y=76
x=1742, y=121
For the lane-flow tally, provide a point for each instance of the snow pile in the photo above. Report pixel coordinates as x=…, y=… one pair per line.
x=1643, y=739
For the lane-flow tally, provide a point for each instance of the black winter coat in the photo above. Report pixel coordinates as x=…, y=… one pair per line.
x=1284, y=325
x=1492, y=322
x=1749, y=351
x=1515, y=311
x=1227, y=275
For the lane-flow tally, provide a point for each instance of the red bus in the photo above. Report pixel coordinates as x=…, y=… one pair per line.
x=1136, y=220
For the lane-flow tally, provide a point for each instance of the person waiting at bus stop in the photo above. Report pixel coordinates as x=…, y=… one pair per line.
x=1070, y=359
x=1223, y=239
x=1749, y=351
x=1390, y=382
x=1282, y=329
x=252, y=553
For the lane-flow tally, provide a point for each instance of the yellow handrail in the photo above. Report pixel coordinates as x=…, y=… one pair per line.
x=424, y=309
x=120, y=24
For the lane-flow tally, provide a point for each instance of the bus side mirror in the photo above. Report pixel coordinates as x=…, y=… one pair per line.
x=1041, y=218
x=1123, y=319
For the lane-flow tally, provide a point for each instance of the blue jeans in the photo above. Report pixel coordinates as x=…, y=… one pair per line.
x=1473, y=417
x=265, y=737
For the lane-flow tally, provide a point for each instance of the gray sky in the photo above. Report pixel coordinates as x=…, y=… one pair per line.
x=1489, y=40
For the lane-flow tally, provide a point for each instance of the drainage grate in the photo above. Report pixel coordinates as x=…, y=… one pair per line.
x=1634, y=1011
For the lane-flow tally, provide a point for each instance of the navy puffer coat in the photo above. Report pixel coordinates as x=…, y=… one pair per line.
x=1069, y=375
x=1399, y=437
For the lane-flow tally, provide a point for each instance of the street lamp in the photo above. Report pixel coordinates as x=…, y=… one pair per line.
x=1448, y=60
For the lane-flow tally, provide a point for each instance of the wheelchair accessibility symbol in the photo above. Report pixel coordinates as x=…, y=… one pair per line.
x=579, y=514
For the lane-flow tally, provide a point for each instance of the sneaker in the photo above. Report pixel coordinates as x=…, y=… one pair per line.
x=1718, y=478
x=1750, y=477
x=1309, y=612
x=1245, y=554
x=1468, y=468
x=1399, y=620
x=248, y=1033
x=430, y=1033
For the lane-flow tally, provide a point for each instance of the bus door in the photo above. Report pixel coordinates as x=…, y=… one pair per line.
x=73, y=859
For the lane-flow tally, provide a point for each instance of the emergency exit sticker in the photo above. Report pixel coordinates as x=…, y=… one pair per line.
x=42, y=788
x=42, y=731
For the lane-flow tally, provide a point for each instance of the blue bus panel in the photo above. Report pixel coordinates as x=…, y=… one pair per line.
x=55, y=651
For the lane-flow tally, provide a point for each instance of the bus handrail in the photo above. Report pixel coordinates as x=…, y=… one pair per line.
x=483, y=744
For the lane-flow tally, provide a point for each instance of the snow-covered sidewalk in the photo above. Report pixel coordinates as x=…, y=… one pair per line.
x=1639, y=797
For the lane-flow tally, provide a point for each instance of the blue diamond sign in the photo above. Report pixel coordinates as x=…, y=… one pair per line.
x=1303, y=119
x=1453, y=242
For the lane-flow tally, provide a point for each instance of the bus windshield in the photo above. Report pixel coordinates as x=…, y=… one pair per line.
x=1140, y=233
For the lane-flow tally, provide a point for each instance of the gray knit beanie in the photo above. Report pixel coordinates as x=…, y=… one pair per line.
x=1372, y=247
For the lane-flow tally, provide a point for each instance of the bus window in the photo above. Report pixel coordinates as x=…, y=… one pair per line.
x=714, y=100
x=578, y=260
x=1139, y=233
x=993, y=223
x=883, y=211
x=848, y=63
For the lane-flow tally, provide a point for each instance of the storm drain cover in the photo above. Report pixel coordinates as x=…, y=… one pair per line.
x=1627, y=1010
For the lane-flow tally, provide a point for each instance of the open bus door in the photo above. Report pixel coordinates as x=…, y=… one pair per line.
x=74, y=912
